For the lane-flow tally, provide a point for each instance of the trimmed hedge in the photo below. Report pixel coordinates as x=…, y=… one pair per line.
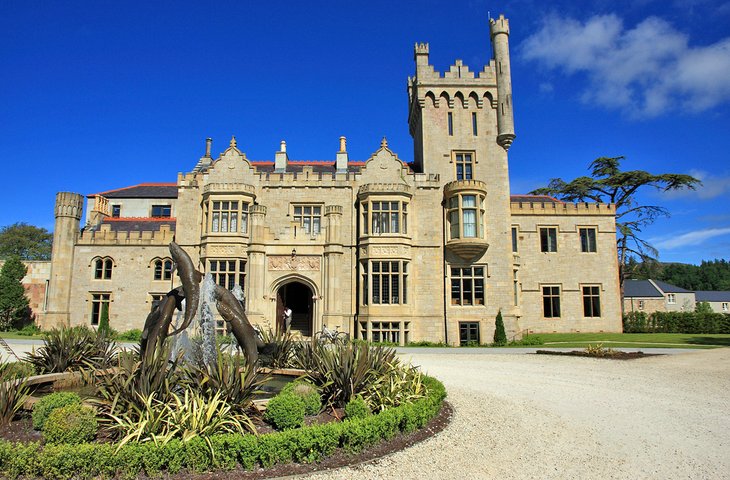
x=305, y=445
x=676, y=322
x=72, y=424
x=49, y=403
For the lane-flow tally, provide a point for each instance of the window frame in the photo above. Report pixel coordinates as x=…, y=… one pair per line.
x=116, y=210
x=162, y=269
x=459, y=280
x=166, y=210
x=311, y=216
x=98, y=300
x=233, y=274
x=585, y=244
x=593, y=296
x=103, y=268
x=515, y=244
x=554, y=309
x=239, y=215
x=469, y=328
x=455, y=210
x=464, y=163
x=369, y=213
x=546, y=245
x=376, y=281
x=671, y=299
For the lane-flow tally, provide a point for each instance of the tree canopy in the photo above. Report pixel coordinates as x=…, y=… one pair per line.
x=25, y=241
x=607, y=183
x=14, y=305
x=709, y=275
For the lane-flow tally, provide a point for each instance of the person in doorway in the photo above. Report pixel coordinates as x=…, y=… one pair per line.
x=287, y=318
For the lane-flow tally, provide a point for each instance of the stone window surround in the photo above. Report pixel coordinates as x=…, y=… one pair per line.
x=464, y=158
x=456, y=214
x=233, y=271
x=551, y=293
x=585, y=247
x=469, y=332
x=244, y=205
x=593, y=309
x=102, y=268
x=393, y=282
x=477, y=294
x=548, y=246
x=160, y=269
x=369, y=221
x=97, y=299
x=300, y=217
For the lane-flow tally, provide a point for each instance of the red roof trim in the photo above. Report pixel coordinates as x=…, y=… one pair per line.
x=140, y=219
x=148, y=184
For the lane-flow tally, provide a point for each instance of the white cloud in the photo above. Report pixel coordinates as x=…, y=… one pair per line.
x=646, y=71
x=713, y=186
x=690, y=238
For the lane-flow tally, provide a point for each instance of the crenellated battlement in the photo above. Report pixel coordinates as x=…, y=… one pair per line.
x=106, y=236
x=554, y=208
x=498, y=25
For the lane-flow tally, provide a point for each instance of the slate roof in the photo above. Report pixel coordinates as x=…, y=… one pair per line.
x=138, y=224
x=640, y=288
x=668, y=288
x=143, y=190
x=712, y=296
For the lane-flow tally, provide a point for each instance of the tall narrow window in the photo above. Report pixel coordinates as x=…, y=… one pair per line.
x=365, y=290
x=591, y=301
x=474, y=123
x=514, y=239
x=551, y=302
x=587, y=239
x=99, y=307
x=469, y=215
x=464, y=165
x=515, y=288
x=549, y=239
x=365, y=220
x=467, y=285
x=450, y=119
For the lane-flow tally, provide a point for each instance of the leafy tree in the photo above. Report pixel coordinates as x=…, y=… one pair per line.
x=500, y=337
x=14, y=305
x=609, y=184
x=25, y=241
x=703, y=307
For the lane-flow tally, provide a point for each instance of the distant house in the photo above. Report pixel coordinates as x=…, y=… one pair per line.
x=656, y=296
x=719, y=301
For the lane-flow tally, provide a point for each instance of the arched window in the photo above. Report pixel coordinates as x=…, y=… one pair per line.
x=163, y=269
x=103, y=268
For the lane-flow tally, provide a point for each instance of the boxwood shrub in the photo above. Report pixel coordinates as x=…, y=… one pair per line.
x=50, y=402
x=285, y=411
x=304, y=445
x=72, y=424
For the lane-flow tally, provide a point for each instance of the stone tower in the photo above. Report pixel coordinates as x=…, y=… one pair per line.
x=462, y=126
x=69, y=207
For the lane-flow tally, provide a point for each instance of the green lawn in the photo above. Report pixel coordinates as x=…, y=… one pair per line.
x=637, y=340
x=15, y=335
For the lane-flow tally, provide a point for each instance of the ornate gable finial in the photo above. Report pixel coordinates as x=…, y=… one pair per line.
x=233, y=141
x=384, y=143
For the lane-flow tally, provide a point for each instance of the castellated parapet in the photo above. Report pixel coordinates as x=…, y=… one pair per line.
x=106, y=236
x=559, y=208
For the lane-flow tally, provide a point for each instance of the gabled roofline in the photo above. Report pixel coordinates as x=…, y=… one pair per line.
x=147, y=184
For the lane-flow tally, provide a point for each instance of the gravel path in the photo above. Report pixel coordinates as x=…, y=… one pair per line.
x=533, y=416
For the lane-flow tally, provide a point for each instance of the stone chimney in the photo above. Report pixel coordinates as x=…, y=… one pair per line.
x=281, y=159
x=342, y=156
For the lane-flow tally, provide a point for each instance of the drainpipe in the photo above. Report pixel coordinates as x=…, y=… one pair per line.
x=443, y=255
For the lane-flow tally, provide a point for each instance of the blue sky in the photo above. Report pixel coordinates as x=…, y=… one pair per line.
x=98, y=95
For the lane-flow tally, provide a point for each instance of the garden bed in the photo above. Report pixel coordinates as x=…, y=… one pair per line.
x=614, y=355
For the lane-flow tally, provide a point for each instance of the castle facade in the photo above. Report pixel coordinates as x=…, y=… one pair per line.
x=387, y=250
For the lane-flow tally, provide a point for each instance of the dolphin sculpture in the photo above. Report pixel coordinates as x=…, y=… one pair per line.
x=190, y=278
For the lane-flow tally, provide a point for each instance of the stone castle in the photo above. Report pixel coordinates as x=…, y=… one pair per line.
x=387, y=250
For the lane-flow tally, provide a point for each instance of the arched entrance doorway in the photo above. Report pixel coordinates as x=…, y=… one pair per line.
x=298, y=297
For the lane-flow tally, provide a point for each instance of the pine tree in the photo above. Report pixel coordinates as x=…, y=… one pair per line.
x=104, y=320
x=14, y=305
x=500, y=337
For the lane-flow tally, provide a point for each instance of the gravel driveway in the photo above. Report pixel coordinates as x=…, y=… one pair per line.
x=533, y=416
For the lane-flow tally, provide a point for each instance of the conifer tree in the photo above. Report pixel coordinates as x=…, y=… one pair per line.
x=14, y=305
x=500, y=337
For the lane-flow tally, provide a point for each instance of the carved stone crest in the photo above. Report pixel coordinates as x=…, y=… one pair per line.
x=287, y=262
